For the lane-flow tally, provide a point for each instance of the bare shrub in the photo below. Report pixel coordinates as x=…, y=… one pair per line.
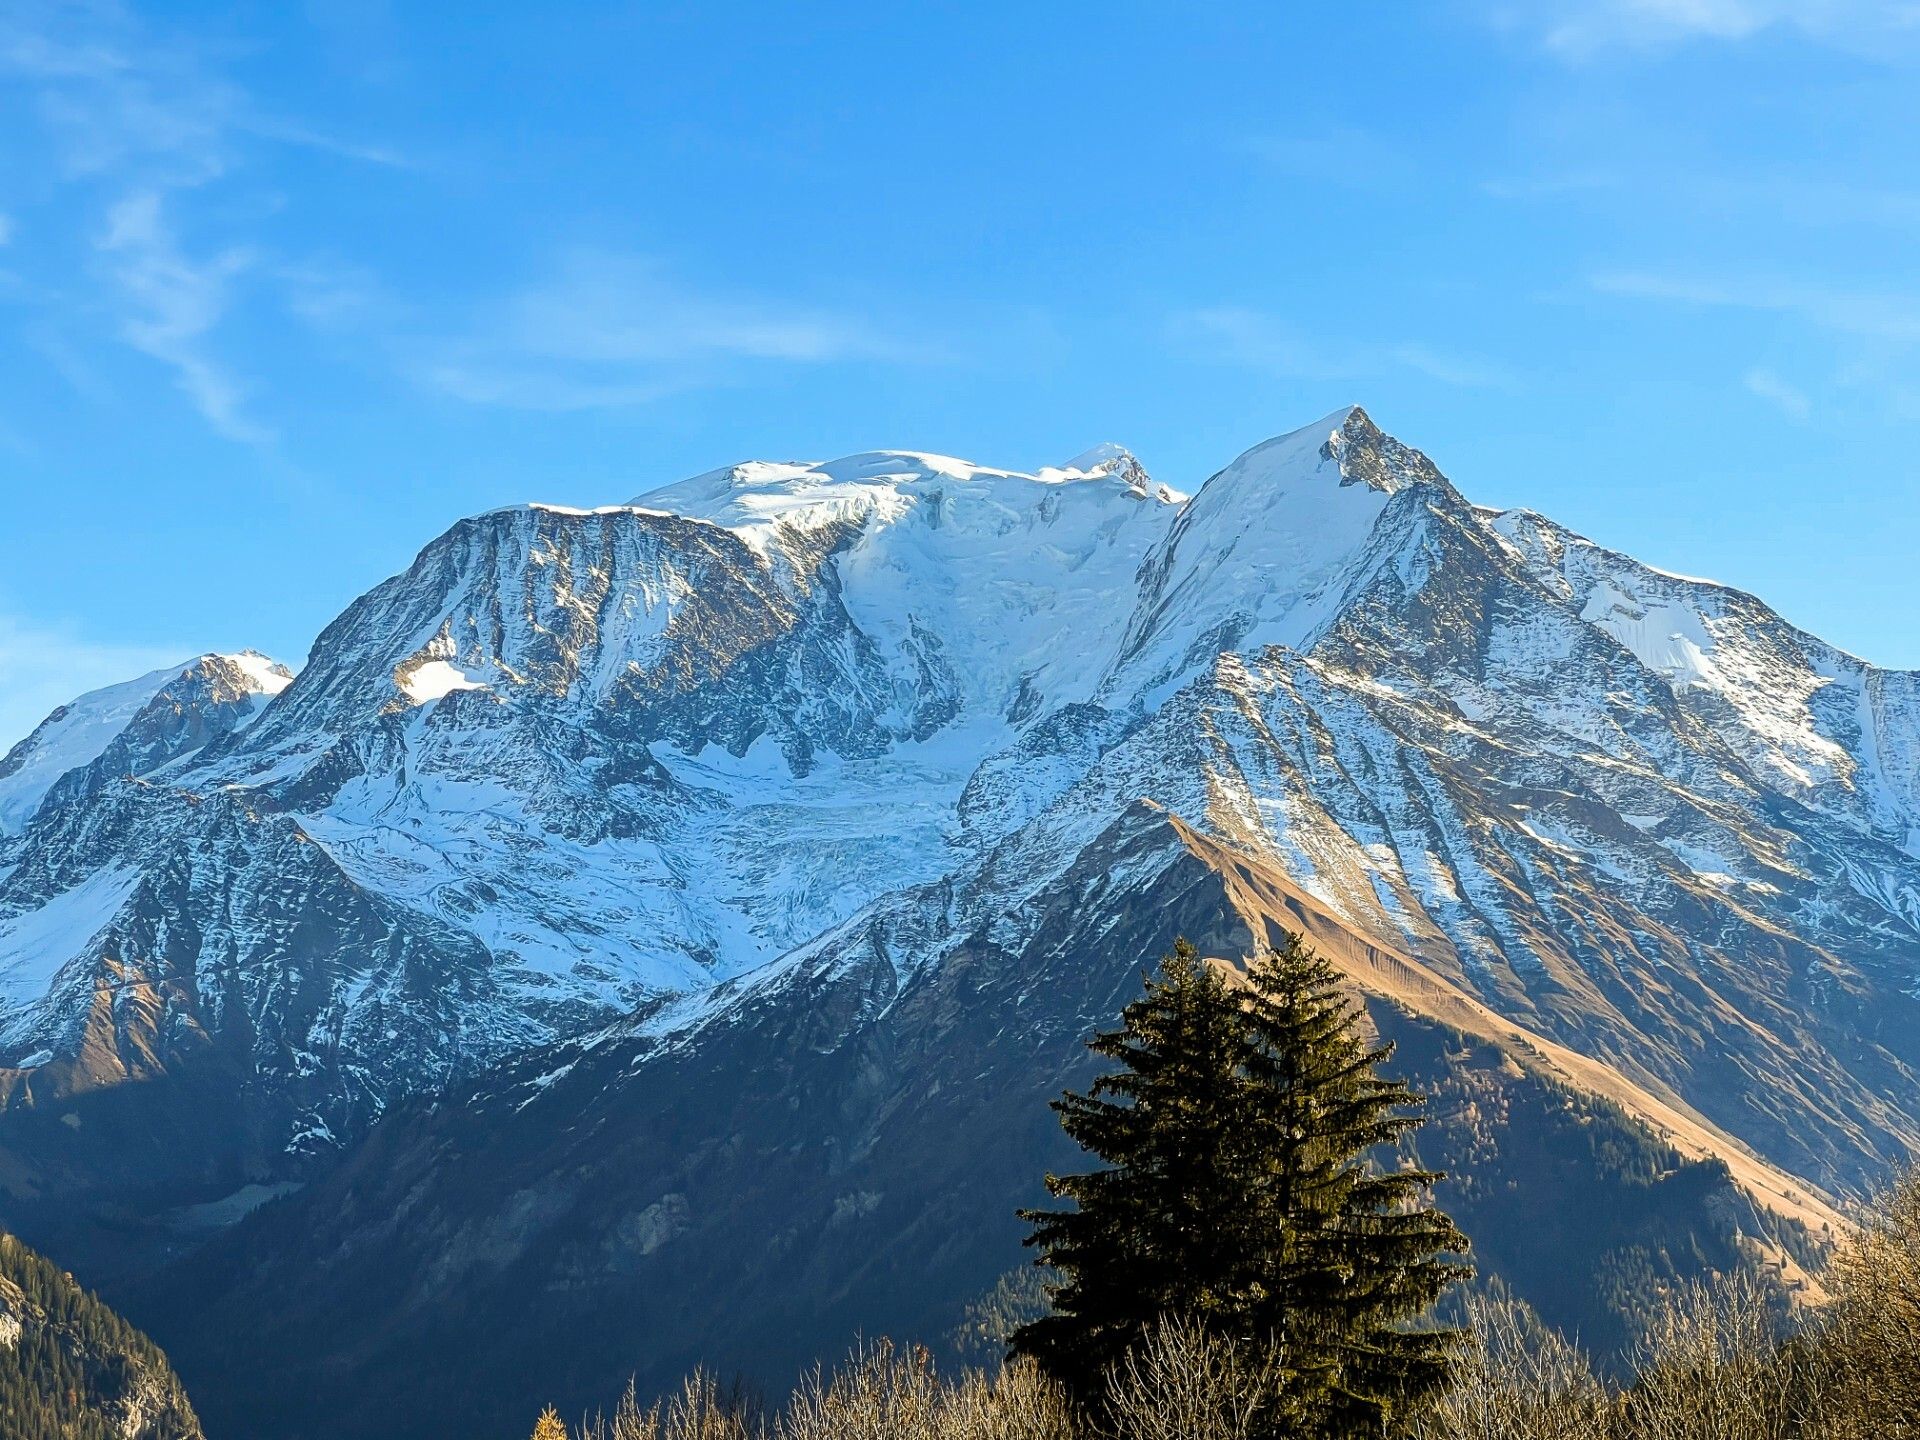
x=1017, y=1403
x=880, y=1393
x=1866, y=1348
x=1712, y=1368
x=1184, y=1383
x=697, y=1411
x=1517, y=1380
x=629, y=1421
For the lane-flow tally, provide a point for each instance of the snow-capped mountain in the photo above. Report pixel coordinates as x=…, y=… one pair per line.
x=158, y=717
x=787, y=722
x=568, y=761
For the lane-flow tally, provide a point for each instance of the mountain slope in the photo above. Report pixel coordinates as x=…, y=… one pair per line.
x=837, y=1147
x=70, y=1369
x=752, y=767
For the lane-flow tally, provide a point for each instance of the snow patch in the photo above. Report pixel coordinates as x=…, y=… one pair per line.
x=431, y=679
x=37, y=944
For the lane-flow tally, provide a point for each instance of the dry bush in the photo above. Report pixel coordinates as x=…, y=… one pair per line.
x=1865, y=1349
x=1713, y=1367
x=1018, y=1403
x=879, y=1393
x=1183, y=1383
x=1518, y=1380
x=697, y=1411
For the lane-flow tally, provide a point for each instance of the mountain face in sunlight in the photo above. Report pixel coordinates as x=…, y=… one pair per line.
x=838, y=801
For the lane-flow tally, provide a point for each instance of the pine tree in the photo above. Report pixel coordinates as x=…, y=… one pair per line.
x=1240, y=1190
x=549, y=1426
x=1155, y=1232
x=1349, y=1252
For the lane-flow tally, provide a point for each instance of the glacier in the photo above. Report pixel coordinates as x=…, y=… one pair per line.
x=654, y=759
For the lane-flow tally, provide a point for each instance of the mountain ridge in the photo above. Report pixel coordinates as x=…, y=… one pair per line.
x=574, y=772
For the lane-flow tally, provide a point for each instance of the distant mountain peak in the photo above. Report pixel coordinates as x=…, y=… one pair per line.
x=1110, y=461
x=1368, y=456
x=80, y=732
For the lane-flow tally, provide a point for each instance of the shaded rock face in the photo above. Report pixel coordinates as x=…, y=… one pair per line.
x=837, y=1148
x=821, y=785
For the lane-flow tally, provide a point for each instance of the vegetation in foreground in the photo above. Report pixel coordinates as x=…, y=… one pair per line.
x=1719, y=1363
x=1240, y=1269
x=1238, y=1196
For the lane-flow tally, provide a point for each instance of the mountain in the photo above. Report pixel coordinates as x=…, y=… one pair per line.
x=675, y=915
x=134, y=727
x=71, y=1369
x=750, y=1179
x=491, y=810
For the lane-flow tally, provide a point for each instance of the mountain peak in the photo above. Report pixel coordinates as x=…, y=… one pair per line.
x=752, y=496
x=1108, y=460
x=79, y=732
x=1368, y=456
x=261, y=673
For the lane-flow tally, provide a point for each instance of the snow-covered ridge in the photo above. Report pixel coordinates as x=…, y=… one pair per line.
x=572, y=761
x=757, y=497
x=67, y=739
x=80, y=731
x=1828, y=728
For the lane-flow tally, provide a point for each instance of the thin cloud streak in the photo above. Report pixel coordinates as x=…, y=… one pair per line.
x=129, y=113
x=1583, y=30
x=1874, y=334
x=1265, y=342
x=609, y=331
x=172, y=303
x=1869, y=314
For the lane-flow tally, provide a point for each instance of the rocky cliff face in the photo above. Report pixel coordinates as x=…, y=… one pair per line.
x=767, y=764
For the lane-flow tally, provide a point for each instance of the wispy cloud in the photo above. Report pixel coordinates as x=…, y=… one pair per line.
x=43, y=666
x=611, y=330
x=1881, y=315
x=1871, y=338
x=1265, y=342
x=171, y=304
x=144, y=129
x=1778, y=199
x=1582, y=29
x=111, y=94
x=1788, y=399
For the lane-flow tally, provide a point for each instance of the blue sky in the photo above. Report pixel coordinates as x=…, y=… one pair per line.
x=285, y=290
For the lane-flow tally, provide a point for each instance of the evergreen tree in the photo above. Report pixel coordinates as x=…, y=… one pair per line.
x=549, y=1426
x=1156, y=1231
x=1349, y=1252
x=1238, y=1191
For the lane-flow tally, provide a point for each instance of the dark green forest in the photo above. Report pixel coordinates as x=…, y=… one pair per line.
x=71, y=1369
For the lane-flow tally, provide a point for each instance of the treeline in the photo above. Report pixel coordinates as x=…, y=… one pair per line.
x=1721, y=1361
x=1251, y=1255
